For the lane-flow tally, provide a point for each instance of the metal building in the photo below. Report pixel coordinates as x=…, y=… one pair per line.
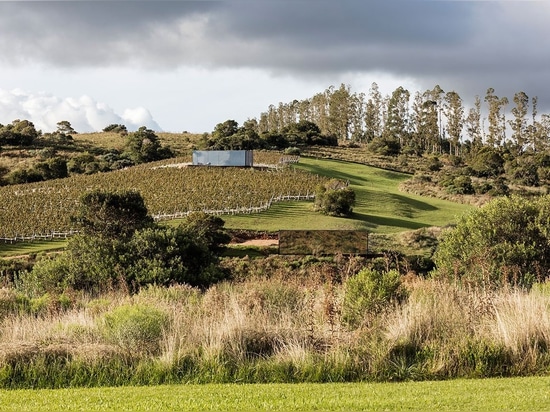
x=240, y=158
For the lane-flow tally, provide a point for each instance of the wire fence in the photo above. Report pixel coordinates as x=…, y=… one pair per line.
x=53, y=235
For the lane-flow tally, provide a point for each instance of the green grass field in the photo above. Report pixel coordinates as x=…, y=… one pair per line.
x=517, y=394
x=380, y=206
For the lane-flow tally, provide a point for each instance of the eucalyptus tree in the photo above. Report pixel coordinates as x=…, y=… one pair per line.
x=305, y=110
x=272, y=120
x=340, y=111
x=373, y=113
x=519, y=123
x=473, y=125
x=437, y=95
x=417, y=142
x=320, y=111
x=496, y=118
x=357, y=116
x=290, y=112
x=425, y=120
x=537, y=133
x=541, y=139
x=454, y=112
x=397, y=124
x=263, y=123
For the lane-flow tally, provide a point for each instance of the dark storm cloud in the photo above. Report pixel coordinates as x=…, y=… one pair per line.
x=87, y=33
x=250, y=33
x=463, y=45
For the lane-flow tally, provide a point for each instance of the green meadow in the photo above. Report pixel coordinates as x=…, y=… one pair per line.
x=380, y=206
x=512, y=394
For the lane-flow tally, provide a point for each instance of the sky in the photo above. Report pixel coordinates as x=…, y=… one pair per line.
x=188, y=65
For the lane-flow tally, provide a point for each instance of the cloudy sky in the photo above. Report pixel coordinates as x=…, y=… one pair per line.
x=188, y=65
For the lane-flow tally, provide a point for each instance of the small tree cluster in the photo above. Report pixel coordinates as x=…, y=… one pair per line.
x=121, y=245
x=229, y=136
x=506, y=241
x=334, y=198
x=18, y=133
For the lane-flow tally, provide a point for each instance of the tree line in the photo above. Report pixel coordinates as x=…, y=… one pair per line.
x=141, y=146
x=433, y=121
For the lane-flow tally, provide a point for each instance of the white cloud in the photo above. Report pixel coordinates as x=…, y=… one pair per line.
x=84, y=113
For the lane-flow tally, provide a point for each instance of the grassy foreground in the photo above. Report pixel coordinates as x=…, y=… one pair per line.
x=518, y=394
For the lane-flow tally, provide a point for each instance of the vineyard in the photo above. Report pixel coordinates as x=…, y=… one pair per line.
x=38, y=209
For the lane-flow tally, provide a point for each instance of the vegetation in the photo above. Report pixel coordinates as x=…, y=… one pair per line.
x=119, y=246
x=47, y=206
x=490, y=395
x=282, y=321
x=134, y=302
x=334, y=198
x=505, y=242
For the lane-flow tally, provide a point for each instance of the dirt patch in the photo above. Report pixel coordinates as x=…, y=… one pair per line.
x=258, y=242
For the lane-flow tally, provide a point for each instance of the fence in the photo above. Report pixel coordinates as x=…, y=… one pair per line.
x=41, y=236
x=238, y=210
x=168, y=216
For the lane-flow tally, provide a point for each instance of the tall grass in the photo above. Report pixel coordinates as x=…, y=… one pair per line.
x=286, y=327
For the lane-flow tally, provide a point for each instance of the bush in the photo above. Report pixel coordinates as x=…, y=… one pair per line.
x=334, y=199
x=506, y=241
x=384, y=146
x=368, y=293
x=487, y=162
x=136, y=328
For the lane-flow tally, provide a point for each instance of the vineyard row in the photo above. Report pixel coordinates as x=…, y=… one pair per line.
x=52, y=235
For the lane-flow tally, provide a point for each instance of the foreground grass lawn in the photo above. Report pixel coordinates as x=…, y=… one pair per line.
x=518, y=394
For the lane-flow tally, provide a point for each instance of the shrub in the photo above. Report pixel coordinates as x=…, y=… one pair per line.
x=136, y=328
x=487, y=162
x=334, y=199
x=293, y=150
x=506, y=241
x=369, y=292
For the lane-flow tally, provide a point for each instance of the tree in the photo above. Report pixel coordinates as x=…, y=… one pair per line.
x=496, y=118
x=121, y=246
x=357, y=116
x=112, y=215
x=65, y=127
x=18, y=133
x=504, y=242
x=397, y=124
x=225, y=129
x=426, y=133
x=335, y=199
x=209, y=229
x=339, y=104
x=473, y=125
x=373, y=114
x=519, y=123
x=116, y=128
x=144, y=146
x=487, y=162
x=165, y=255
x=454, y=112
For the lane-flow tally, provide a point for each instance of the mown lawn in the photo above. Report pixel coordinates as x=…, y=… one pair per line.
x=380, y=206
x=517, y=394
